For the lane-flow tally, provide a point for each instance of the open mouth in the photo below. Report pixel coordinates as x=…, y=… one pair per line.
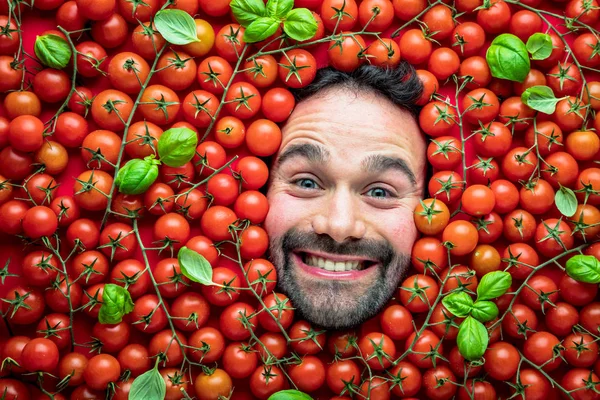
x=337, y=264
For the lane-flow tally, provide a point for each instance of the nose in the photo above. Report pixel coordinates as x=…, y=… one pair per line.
x=340, y=217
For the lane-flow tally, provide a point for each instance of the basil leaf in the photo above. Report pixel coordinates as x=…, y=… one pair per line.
x=52, y=51
x=565, y=201
x=176, y=26
x=194, y=266
x=247, y=11
x=539, y=45
x=279, y=8
x=289, y=395
x=459, y=304
x=584, y=268
x=137, y=175
x=116, y=302
x=540, y=98
x=484, y=311
x=493, y=284
x=300, y=24
x=177, y=146
x=148, y=386
x=508, y=59
x=261, y=29
x=472, y=339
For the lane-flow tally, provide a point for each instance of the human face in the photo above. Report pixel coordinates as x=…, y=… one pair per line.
x=343, y=187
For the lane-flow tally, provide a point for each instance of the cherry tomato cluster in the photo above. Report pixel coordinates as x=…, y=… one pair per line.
x=498, y=166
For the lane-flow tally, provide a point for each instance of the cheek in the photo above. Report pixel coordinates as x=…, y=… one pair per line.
x=399, y=229
x=284, y=213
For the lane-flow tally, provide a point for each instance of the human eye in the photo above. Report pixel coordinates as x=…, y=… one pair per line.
x=306, y=183
x=380, y=193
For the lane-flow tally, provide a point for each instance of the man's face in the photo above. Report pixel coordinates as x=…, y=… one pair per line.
x=348, y=174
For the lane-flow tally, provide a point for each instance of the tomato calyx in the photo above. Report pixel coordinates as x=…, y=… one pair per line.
x=17, y=303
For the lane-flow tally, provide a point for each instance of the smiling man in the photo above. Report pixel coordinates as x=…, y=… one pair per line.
x=343, y=187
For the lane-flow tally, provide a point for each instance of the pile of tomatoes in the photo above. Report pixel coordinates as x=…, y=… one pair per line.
x=497, y=163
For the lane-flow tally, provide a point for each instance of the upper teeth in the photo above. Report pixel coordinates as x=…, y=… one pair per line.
x=331, y=265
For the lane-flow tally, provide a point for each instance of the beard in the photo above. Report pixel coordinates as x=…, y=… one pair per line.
x=337, y=304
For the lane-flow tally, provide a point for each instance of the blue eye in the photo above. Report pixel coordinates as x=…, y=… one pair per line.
x=306, y=183
x=379, y=193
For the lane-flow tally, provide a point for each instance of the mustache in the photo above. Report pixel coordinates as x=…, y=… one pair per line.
x=379, y=250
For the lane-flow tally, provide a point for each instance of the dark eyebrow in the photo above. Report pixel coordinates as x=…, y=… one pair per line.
x=377, y=164
x=312, y=152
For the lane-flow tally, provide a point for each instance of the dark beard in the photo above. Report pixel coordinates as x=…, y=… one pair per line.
x=329, y=303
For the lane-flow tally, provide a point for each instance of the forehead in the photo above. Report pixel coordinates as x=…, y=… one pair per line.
x=356, y=121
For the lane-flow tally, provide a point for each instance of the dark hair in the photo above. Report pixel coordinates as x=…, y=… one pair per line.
x=400, y=84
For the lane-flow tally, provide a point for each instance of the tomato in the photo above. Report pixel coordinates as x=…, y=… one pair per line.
x=51, y=85
x=39, y=221
x=429, y=254
x=444, y=152
x=533, y=78
x=484, y=259
x=142, y=139
x=128, y=71
x=560, y=169
x=443, y=62
x=462, y=237
x=582, y=384
x=207, y=345
x=506, y=196
x=15, y=164
x=159, y=104
x=62, y=299
x=535, y=384
x=146, y=40
x=134, y=357
x=118, y=241
x=267, y=380
x=519, y=164
x=172, y=230
x=439, y=21
x=430, y=86
x=582, y=145
x=90, y=267
x=40, y=268
x=502, y=361
x=418, y=292
x=552, y=237
x=71, y=129
x=560, y=319
x=167, y=274
x=309, y=374
x=548, y=135
x=12, y=73
x=112, y=337
x=569, y=114
x=346, y=52
x=243, y=100
x=409, y=376
x=480, y=390
x=100, y=150
x=86, y=393
x=101, y=370
x=158, y=199
x=431, y=216
x=519, y=259
x=22, y=103
x=91, y=57
x=297, y=68
x=480, y=105
x=478, y=200
x=111, y=109
x=383, y=53
x=344, y=10
x=177, y=177
x=577, y=293
x=408, y=9
x=56, y=328
x=239, y=361
x=377, y=349
x=428, y=342
x=83, y=232
x=521, y=323
x=339, y=373
x=543, y=348
x=584, y=12
x=467, y=37
x=40, y=354
x=231, y=321
x=437, y=118
x=519, y=226
x=206, y=36
x=81, y=100
x=341, y=342
x=494, y=18
x=229, y=42
x=565, y=79
x=462, y=367
x=53, y=156
x=25, y=133
x=537, y=196
x=438, y=383
x=73, y=364
x=147, y=315
x=169, y=346
x=306, y=339
x=581, y=351
x=12, y=213
x=111, y=32
x=274, y=346
x=262, y=275
x=96, y=10
x=587, y=186
x=253, y=172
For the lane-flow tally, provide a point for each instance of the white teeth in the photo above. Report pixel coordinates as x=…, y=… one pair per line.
x=330, y=265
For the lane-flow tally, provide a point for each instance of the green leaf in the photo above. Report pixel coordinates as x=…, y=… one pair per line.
x=539, y=45
x=584, y=268
x=289, y=395
x=261, y=29
x=472, y=339
x=484, y=311
x=177, y=146
x=300, y=24
x=176, y=26
x=148, y=386
x=493, y=284
x=459, y=304
x=116, y=302
x=52, y=51
x=566, y=201
x=540, y=98
x=247, y=11
x=137, y=175
x=507, y=58
x=194, y=266
x=279, y=8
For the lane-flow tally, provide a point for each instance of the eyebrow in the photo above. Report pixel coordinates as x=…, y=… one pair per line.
x=374, y=164
x=315, y=154
x=377, y=164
